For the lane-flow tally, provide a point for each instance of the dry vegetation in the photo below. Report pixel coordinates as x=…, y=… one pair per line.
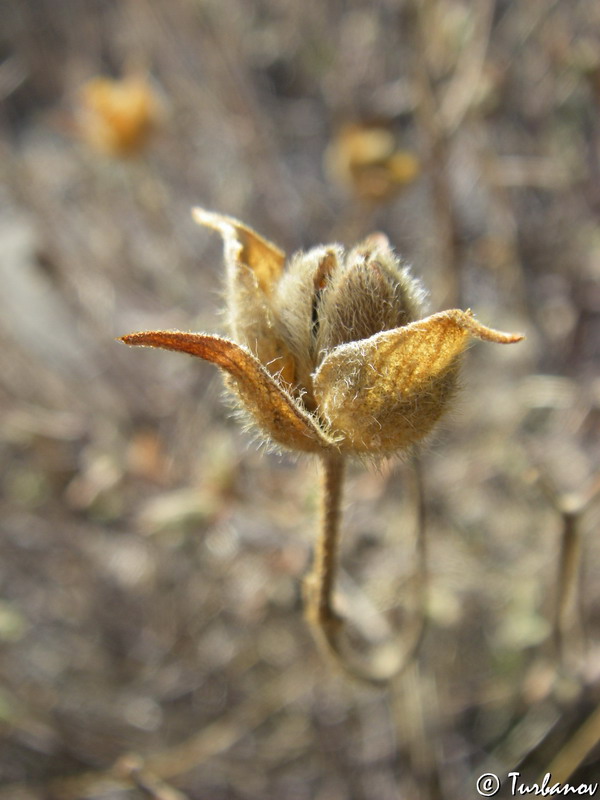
x=151, y=636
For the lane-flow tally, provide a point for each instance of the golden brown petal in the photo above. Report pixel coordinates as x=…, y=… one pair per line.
x=271, y=407
x=386, y=392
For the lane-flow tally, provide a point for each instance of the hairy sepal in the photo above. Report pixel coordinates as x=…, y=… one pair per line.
x=385, y=393
x=245, y=248
x=272, y=408
x=254, y=266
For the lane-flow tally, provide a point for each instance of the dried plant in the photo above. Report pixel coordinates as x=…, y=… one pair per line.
x=329, y=355
x=364, y=158
x=118, y=116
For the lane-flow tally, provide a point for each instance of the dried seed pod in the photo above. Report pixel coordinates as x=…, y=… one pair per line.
x=330, y=358
x=363, y=157
x=118, y=116
x=329, y=354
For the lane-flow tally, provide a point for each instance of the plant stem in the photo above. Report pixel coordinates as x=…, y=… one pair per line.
x=567, y=627
x=321, y=580
x=387, y=660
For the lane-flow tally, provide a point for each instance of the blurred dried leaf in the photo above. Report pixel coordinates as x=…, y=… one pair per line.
x=177, y=509
x=146, y=456
x=364, y=158
x=118, y=116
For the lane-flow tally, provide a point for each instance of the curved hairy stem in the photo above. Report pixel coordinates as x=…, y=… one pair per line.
x=385, y=661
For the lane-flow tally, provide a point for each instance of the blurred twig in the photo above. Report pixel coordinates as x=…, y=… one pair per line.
x=572, y=754
x=462, y=90
x=132, y=769
x=567, y=622
x=175, y=761
x=567, y=594
x=417, y=713
x=440, y=119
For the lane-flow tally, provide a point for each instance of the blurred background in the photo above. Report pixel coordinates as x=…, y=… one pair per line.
x=151, y=634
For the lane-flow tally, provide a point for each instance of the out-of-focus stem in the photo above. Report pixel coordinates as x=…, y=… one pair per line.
x=436, y=144
x=567, y=620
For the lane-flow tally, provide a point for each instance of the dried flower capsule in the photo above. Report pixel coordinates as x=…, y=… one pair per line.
x=329, y=354
x=118, y=116
x=364, y=158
